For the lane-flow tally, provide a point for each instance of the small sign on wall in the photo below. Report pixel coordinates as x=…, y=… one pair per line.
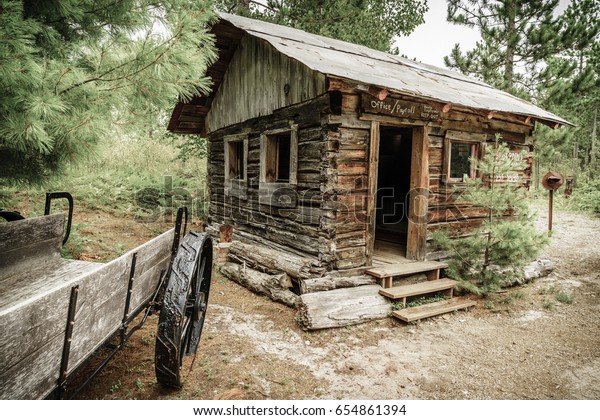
x=399, y=108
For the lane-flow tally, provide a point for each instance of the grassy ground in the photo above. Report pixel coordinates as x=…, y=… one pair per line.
x=140, y=182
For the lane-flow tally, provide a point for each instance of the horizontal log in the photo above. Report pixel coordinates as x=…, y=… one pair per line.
x=270, y=285
x=342, y=307
x=347, y=120
x=351, y=262
x=329, y=283
x=276, y=261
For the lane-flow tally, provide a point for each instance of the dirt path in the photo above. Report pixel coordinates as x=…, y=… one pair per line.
x=527, y=343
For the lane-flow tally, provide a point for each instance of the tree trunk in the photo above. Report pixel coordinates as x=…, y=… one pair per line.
x=509, y=55
x=594, y=149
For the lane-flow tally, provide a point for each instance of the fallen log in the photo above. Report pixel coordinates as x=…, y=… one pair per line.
x=274, y=261
x=537, y=268
x=342, y=307
x=320, y=284
x=270, y=285
x=532, y=271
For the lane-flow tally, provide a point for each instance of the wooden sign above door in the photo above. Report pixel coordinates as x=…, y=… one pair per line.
x=399, y=108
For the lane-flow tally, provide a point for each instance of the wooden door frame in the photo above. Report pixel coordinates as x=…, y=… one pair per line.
x=416, y=241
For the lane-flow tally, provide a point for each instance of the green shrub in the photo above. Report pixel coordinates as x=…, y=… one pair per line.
x=507, y=237
x=586, y=196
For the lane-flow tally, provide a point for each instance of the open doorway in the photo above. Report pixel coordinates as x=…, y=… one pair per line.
x=393, y=187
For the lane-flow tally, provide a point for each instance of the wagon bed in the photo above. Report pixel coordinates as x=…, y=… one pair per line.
x=56, y=313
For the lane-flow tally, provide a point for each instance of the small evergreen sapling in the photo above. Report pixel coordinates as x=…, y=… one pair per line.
x=507, y=239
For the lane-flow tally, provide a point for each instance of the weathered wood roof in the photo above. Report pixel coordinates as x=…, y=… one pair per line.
x=363, y=65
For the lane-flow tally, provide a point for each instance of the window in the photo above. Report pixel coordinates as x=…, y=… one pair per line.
x=461, y=160
x=277, y=163
x=460, y=151
x=236, y=157
x=279, y=167
x=236, y=161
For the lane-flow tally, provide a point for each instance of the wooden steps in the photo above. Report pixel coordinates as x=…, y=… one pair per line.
x=387, y=272
x=432, y=309
x=408, y=290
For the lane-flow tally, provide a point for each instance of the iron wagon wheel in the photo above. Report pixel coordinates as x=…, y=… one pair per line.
x=183, y=309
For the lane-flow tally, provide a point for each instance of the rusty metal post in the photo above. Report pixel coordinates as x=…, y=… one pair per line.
x=552, y=181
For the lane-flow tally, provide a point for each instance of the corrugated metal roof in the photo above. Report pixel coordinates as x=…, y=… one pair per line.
x=364, y=65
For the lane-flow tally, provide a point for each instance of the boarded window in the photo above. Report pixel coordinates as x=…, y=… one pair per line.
x=279, y=156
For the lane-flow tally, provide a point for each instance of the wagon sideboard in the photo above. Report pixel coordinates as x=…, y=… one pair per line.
x=326, y=158
x=36, y=288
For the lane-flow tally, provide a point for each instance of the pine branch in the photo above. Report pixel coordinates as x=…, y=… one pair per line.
x=101, y=78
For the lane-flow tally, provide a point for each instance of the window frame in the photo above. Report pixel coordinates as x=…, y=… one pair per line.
x=236, y=187
x=278, y=193
x=460, y=137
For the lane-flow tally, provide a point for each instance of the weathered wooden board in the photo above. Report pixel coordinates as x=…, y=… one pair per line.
x=30, y=350
x=258, y=81
x=30, y=243
x=342, y=307
x=419, y=183
x=399, y=108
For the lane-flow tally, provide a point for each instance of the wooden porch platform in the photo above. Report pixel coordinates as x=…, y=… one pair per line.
x=386, y=252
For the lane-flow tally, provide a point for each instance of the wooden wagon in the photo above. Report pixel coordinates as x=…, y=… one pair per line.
x=55, y=313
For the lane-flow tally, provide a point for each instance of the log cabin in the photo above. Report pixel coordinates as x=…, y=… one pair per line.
x=330, y=164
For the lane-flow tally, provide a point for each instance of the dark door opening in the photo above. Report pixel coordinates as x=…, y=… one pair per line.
x=393, y=187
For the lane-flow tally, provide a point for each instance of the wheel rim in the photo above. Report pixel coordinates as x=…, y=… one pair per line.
x=184, y=307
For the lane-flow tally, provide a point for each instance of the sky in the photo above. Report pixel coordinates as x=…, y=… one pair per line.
x=434, y=39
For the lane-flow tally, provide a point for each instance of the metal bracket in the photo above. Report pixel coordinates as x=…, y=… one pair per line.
x=64, y=363
x=53, y=195
x=181, y=213
x=125, y=322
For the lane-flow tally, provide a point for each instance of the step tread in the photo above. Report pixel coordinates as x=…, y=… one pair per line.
x=432, y=309
x=418, y=288
x=403, y=269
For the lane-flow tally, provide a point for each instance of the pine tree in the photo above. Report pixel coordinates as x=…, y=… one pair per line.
x=72, y=70
x=507, y=237
x=570, y=86
x=373, y=23
x=515, y=36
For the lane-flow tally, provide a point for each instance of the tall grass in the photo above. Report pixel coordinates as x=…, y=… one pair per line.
x=139, y=178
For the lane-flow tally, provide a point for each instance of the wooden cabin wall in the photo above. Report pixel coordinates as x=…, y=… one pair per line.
x=347, y=182
x=350, y=138
x=446, y=208
x=330, y=222
x=445, y=205
x=258, y=81
x=303, y=230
